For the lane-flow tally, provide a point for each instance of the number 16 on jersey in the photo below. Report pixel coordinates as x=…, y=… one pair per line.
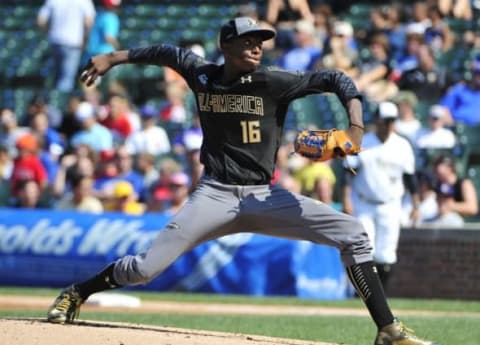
x=251, y=131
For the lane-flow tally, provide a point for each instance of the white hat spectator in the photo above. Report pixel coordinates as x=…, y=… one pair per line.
x=343, y=29
x=85, y=111
x=437, y=111
x=415, y=29
x=387, y=110
x=305, y=26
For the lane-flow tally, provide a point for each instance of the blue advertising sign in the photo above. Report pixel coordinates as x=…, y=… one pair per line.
x=52, y=248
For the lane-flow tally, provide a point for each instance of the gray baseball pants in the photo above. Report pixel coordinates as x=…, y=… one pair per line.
x=216, y=209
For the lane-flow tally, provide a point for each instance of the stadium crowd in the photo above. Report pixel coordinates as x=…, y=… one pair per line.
x=102, y=151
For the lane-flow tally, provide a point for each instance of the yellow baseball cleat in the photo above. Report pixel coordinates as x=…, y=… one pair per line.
x=397, y=334
x=66, y=307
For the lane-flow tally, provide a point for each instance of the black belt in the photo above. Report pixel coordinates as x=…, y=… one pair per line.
x=238, y=182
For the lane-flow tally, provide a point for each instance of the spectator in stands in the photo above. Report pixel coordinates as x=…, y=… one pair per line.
x=126, y=172
x=79, y=163
x=10, y=131
x=407, y=124
x=145, y=163
x=81, y=197
x=28, y=195
x=283, y=14
x=341, y=52
x=174, y=111
x=428, y=207
x=310, y=172
x=409, y=59
x=179, y=187
x=106, y=175
x=397, y=36
x=27, y=164
x=52, y=141
x=457, y=196
x=125, y=200
x=306, y=50
x=117, y=117
x=463, y=98
x=187, y=144
x=438, y=35
x=151, y=139
x=68, y=24
x=6, y=163
x=323, y=15
x=424, y=77
x=323, y=191
x=419, y=14
x=6, y=169
x=92, y=134
x=460, y=9
x=436, y=136
x=40, y=104
x=371, y=77
x=160, y=192
x=103, y=37
x=49, y=161
x=116, y=165
x=69, y=124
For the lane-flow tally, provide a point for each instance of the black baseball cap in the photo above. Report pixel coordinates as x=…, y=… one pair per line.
x=242, y=26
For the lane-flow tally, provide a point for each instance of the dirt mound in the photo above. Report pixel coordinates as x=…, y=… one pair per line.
x=39, y=332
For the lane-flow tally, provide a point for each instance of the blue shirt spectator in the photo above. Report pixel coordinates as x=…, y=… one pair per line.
x=306, y=51
x=463, y=99
x=103, y=37
x=93, y=134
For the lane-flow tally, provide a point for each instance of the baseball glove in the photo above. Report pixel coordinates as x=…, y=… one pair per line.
x=324, y=144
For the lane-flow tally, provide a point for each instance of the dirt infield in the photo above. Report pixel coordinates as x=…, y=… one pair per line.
x=27, y=331
x=39, y=332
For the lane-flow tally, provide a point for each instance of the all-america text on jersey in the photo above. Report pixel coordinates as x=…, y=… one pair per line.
x=227, y=103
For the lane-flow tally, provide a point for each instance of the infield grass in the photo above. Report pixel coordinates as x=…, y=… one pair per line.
x=352, y=330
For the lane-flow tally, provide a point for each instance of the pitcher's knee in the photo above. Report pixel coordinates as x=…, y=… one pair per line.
x=132, y=270
x=356, y=247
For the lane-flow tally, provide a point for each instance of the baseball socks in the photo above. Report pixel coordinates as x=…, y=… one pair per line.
x=365, y=279
x=100, y=282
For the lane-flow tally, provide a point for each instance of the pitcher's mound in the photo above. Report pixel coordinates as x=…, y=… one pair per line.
x=39, y=332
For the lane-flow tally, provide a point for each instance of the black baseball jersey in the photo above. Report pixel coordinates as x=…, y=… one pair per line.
x=242, y=122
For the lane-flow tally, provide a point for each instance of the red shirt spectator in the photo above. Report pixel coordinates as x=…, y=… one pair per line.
x=117, y=118
x=27, y=165
x=118, y=123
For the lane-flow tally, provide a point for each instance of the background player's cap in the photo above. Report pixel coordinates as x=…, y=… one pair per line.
x=242, y=26
x=387, y=110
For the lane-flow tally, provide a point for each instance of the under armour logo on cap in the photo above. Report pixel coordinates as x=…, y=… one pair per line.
x=242, y=26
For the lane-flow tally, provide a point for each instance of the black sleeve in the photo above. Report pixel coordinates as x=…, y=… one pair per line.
x=183, y=61
x=290, y=86
x=410, y=181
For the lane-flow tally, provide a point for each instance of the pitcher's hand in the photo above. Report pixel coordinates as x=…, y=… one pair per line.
x=96, y=67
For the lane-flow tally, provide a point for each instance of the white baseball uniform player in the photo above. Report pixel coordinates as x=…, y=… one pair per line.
x=377, y=189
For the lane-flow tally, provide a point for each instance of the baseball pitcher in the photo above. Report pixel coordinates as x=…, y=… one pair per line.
x=242, y=107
